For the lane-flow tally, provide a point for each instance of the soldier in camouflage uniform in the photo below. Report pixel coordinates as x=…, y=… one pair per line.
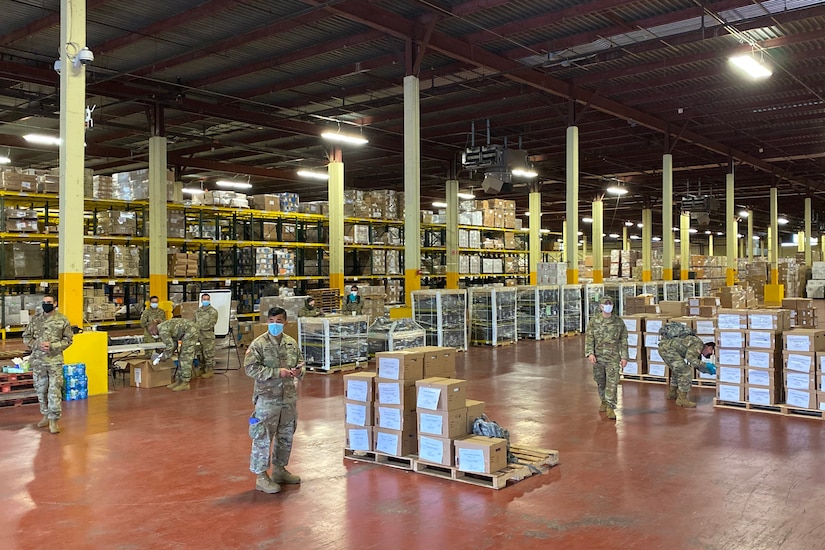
x=48, y=334
x=152, y=315
x=605, y=346
x=205, y=317
x=682, y=355
x=274, y=361
x=309, y=309
x=187, y=333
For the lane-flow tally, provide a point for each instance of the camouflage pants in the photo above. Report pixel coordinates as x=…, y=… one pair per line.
x=207, y=354
x=149, y=339
x=681, y=374
x=276, y=423
x=606, y=373
x=48, y=383
x=186, y=354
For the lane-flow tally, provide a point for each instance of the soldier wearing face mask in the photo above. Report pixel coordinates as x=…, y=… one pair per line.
x=352, y=303
x=151, y=317
x=605, y=346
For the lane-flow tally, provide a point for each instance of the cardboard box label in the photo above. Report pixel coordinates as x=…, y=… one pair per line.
x=138, y=375
x=386, y=443
x=471, y=460
x=357, y=390
x=759, y=377
x=428, y=398
x=389, y=394
x=430, y=449
x=655, y=356
x=633, y=353
x=796, y=398
x=653, y=325
x=731, y=339
x=651, y=340
x=632, y=339
x=759, y=339
x=632, y=367
x=759, y=359
x=431, y=424
x=730, y=375
x=655, y=369
x=359, y=440
x=728, y=321
x=800, y=363
x=390, y=418
x=729, y=393
x=356, y=414
x=729, y=356
x=705, y=327
x=759, y=396
x=798, y=381
x=761, y=321
x=389, y=367
x=796, y=342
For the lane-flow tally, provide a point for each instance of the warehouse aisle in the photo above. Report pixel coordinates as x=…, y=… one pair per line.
x=151, y=469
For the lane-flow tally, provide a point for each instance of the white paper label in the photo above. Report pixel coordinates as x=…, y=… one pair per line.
x=633, y=339
x=632, y=367
x=386, y=443
x=356, y=414
x=389, y=418
x=727, y=320
x=630, y=324
x=655, y=356
x=428, y=398
x=651, y=340
x=760, y=340
x=388, y=367
x=729, y=356
x=138, y=378
x=800, y=363
x=112, y=282
x=653, y=325
x=656, y=370
x=431, y=424
x=706, y=376
x=359, y=440
x=761, y=321
x=730, y=375
x=759, y=377
x=759, y=359
x=705, y=327
x=731, y=340
x=798, y=381
x=470, y=460
x=633, y=353
x=431, y=450
x=798, y=343
x=357, y=390
x=729, y=393
x=798, y=398
x=822, y=384
x=389, y=394
x=759, y=396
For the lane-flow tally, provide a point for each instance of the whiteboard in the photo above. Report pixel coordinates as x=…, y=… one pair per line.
x=222, y=301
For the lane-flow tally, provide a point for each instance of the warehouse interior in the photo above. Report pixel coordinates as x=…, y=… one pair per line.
x=461, y=162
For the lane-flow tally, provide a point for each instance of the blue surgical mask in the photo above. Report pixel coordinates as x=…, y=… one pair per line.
x=154, y=305
x=353, y=294
x=276, y=329
x=607, y=308
x=205, y=303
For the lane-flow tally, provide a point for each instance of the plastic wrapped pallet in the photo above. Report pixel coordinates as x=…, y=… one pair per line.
x=175, y=224
x=125, y=261
x=22, y=220
x=95, y=261
x=284, y=262
x=331, y=341
x=289, y=202
x=23, y=260
x=387, y=334
x=116, y=222
x=264, y=262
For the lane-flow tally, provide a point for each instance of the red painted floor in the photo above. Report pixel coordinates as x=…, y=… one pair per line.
x=153, y=469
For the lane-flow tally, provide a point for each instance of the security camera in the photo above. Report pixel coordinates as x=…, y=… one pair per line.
x=85, y=56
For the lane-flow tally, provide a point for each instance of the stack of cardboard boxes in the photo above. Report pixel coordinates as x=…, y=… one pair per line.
x=803, y=358
x=803, y=313
x=731, y=356
x=183, y=264
x=635, y=344
x=644, y=303
x=20, y=220
x=95, y=260
x=705, y=306
x=124, y=261
x=116, y=222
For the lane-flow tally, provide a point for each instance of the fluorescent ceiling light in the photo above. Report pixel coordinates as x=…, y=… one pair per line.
x=545, y=231
x=344, y=138
x=743, y=214
x=785, y=245
x=635, y=237
x=708, y=232
x=719, y=233
x=693, y=230
x=528, y=213
x=42, y=139
x=616, y=190
x=614, y=235
x=656, y=239
x=677, y=240
x=524, y=173
x=640, y=225
x=676, y=229
x=4, y=160
x=580, y=233
x=750, y=66
x=234, y=184
x=782, y=220
x=587, y=220
x=628, y=224
x=465, y=196
x=439, y=204
x=313, y=175
x=192, y=191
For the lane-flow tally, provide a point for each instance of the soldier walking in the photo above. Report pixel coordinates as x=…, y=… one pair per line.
x=48, y=334
x=682, y=350
x=205, y=317
x=186, y=332
x=274, y=361
x=605, y=346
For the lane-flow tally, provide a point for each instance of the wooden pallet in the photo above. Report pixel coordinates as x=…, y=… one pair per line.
x=744, y=405
x=490, y=344
x=399, y=462
x=645, y=378
x=703, y=383
x=790, y=410
x=349, y=367
x=540, y=459
x=17, y=398
x=570, y=333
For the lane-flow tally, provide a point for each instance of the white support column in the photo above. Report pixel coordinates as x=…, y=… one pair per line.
x=157, y=219
x=451, y=236
x=572, y=223
x=647, y=240
x=750, y=235
x=535, y=235
x=710, y=244
x=598, y=241
x=667, y=217
x=412, y=187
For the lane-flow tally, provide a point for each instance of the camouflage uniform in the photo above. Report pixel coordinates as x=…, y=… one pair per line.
x=274, y=399
x=149, y=316
x=186, y=331
x=307, y=311
x=682, y=356
x=205, y=319
x=47, y=366
x=606, y=338
x=350, y=306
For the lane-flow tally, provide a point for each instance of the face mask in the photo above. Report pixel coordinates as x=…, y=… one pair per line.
x=153, y=305
x=205, y=303
x=48, y=308
x=275, y=329
x=353, y=294
x=607, y=308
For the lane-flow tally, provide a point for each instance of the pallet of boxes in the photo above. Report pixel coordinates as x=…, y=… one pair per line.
x=804, y=375
x=414, y=415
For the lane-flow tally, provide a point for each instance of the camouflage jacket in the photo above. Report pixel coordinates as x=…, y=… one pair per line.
x=178, y=328
x=689, y=347
x=205, y=318
x=264, y=360
x=349, y=306
x=606, y=336
x=307, y=312
x=150, y=315
x=55, y=329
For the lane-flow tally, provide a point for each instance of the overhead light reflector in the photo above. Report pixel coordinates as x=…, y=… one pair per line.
x=518, y=172
x=439, y=204
x=587, y=220
x=782, y=220
x=743, y=214
x=4, y=160
x=192, y=191
x=750, y=66
x=616, y=190
x=234, y=184
x=313, y=175
x=614, y=235
x=42, y=139
x=465, y=196
x=344, y=138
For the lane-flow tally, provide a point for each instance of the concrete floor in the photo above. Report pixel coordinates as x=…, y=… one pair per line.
x=155, y=469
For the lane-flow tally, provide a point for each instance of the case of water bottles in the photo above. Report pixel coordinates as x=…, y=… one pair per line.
x=75, y=382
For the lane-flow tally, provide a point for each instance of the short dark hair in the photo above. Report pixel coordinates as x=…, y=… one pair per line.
x=205, y=294
x=275, y=311
x=710, y=344
x=354, y=287
x=49, y=296
x=154, y=298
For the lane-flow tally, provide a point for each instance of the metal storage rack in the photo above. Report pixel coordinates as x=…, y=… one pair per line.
x=671, y=291
x=443, y=314
x=688, y=290
x=537, y=312
x=654, y=288
x=626, y=290
x=394, y=334
x=334, y=341
x=493, y=315
x=704, y=288
x=571, y=312
x=593, y=293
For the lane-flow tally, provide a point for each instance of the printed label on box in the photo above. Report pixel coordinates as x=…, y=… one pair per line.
x=356, y=414
x=386, y=443
x=798, y=381
x=656, y=370
x=705, y=327
x=633, y=353
x=359, y=440
x=428, y=398
x=632, y=367
x=357, y=390
x=727, y=321
x=633, y=340
x=430, y=450
x=800, y=363
x=652, y=340
x=389, y=418
x=798, y=343
x=758, y=396
x=388, y=367
x=728, y=374
x=759, y=359
x=728, y=393
x=798, y=398
x=431, y=424
x=760, y=340
x=471, y=460
x=759, y=377
x=655, y=356
x=761, y=321
x=731, y=340
x=138, y=372
x=729, y=356
x=389, y=394
x=653, y=325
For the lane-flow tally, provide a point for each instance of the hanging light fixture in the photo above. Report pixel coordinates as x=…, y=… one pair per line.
x=313, y=175
x=339, y=137
x=617, y=190
x=233, y=184
x=749, y=66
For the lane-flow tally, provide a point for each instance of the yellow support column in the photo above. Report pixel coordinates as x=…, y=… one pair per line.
x=684, y=248
x=451, y=237
x=710, y=244
x=800, y=241
x=667, y=217
x=750, y=235
x=730, y=222
x=598, y=241
x=774, y=292
x=808, y=233
x=335, y=186
x=72, y=157
x=571, y=247
x=647, y=240
x=535, y=234
x=157, y=219
x=412, y=188
x=625, y=240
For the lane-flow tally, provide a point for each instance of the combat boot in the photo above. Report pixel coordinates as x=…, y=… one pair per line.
x=603, y=406
x=207, y=374
x=53, y=427
x=281, y=475
x=683, y=400
x=174, y=384
x=43, y=422
x=611, y=414
x=184, y=386
x=196, y=373
x=266, y=485
x=671, y=393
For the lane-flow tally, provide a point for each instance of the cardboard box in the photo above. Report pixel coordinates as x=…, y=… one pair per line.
x=357, y=413
x=769, y=319
x=761, y=359
x=394, y=417
x=474, y=410
x=441, y=394
x=439, y=362
x=657, y=369
x=651, y=340
x=730, y=357
x=359, y=439
x=820, y=400
x=393, y=442
x=730, y=338
x=761, y=396
x=763, y=339
x=359, y=387
x=800, y=381
x=395, y=392
x=731, y=375
x=801, y=399
x=400, y=365
x=655, y=324
x=761, y=377
x=633, y=323
x=799, y=361
x=672, y=308
x=730, y=392
x=689, y=322
x=634, y=339
x=443, y=423
x=706, y=327
x=146, y=375
x=632, y=368
x=804, y=339
x=435, y=450
x=480, y=454
x=731, y=319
